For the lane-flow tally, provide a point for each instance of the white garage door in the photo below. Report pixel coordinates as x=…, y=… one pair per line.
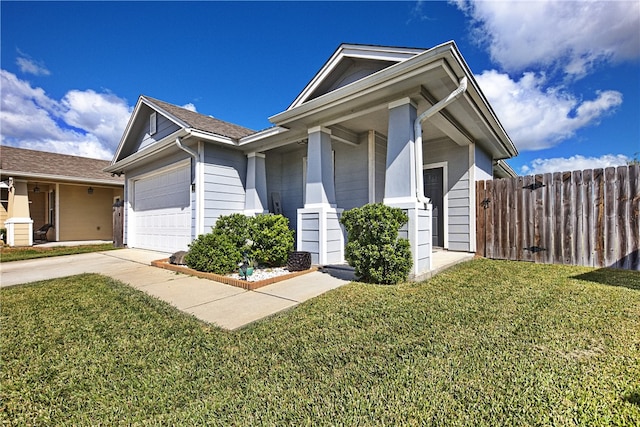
x=162, y=211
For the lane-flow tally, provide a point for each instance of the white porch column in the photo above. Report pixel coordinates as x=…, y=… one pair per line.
x=319, y=229
x=400, y=185
x=256, y=192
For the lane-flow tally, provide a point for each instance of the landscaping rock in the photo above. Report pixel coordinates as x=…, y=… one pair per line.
x=178, y=258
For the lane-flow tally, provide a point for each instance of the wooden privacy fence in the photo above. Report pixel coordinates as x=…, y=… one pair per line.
x=589, y=218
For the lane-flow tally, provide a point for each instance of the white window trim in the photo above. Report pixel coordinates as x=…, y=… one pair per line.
x=153, y=123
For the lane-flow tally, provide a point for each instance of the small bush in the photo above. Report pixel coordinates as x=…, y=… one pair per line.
x=272, y=239
x=373, y=248
x=266, y=239
x=215, y=252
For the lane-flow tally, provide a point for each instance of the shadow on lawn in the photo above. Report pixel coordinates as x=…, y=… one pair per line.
x=613, y=277
x=633, y=398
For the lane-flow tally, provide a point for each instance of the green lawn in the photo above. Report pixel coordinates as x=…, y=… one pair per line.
x=486, y=343
x=19, y=254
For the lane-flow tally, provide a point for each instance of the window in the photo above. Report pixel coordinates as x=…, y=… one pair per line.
x=4, y=198
x=153, y=123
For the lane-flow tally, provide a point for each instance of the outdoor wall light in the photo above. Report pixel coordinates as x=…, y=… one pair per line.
x=36, y=189
x=90, y=190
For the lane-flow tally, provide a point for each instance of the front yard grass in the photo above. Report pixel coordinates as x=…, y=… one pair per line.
x=486, y=343
x=19, y=254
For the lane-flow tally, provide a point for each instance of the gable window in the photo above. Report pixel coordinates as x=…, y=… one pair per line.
x=153, y=123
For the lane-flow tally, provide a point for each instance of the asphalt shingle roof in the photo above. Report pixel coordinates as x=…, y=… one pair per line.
x=201, y=121
x=31, y=162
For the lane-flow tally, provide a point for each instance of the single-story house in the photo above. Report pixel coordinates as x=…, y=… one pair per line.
x=406, y=127
x=73, y=194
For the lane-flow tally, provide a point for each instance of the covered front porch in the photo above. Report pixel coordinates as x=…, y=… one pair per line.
x=404, y=127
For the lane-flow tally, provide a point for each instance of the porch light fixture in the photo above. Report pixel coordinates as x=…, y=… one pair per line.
x=90, y=190
x=36, y=189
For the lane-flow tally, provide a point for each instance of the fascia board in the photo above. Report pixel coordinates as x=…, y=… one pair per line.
x=165, y=113
x=212, y=137
x=353, y=51
x=259, y=136
x=326, y=69
x=50, y=177
x=424, y=61
x=380, y=80
x=479, y=99
x=127, y=130
x=134, y=117
x=278, y=140
x=146, y=152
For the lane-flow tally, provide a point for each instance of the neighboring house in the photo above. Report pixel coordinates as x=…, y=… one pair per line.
x=71, y=193
x=348, y=139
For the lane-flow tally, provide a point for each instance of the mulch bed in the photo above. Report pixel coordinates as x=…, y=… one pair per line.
x=244, y=284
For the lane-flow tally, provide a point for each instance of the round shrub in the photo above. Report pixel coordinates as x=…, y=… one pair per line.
x=266, y=239
x=215, y=252
x=373, y=248
x=272, y=239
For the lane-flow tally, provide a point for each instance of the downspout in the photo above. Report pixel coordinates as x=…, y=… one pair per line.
x=417, y=131
x=195, y=156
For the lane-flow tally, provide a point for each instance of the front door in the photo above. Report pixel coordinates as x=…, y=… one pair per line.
x=433, y=189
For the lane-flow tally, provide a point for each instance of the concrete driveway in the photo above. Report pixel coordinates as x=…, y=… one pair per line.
x=226, y=306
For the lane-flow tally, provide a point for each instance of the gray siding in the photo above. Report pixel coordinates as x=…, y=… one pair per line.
x=164, y=128
x=351, y=175
x=424, y=240
x=484, y=164
x=310, y=234
x=335, y=240
x=225, y=173
x=284, y=176
x=457, y=191
x=380, y=166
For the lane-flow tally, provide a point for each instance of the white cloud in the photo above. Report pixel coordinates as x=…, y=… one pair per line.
x=29, y=66
x=83, y=123
x=537, y=117
x=573, y=36
x=577, y=162
x=190, y=106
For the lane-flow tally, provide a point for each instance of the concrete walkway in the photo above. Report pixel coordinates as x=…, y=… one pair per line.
x=226, y=306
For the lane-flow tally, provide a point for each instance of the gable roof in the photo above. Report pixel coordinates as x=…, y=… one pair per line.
x=194, y=120
x=335, y=72
x=43, y=165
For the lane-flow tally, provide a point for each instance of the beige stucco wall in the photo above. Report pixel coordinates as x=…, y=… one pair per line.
x=84, y=216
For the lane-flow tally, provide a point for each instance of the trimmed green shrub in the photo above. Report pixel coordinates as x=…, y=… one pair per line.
x=266, y=239
x=215, y=252
x=373, y=248
x=272, y=239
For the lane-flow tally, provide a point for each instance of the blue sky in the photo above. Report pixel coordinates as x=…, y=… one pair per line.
x=563, y=77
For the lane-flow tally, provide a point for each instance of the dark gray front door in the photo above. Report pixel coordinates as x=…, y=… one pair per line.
x=433, y=189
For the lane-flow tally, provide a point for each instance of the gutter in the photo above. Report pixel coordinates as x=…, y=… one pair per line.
x=188, y=150
x=417, y=132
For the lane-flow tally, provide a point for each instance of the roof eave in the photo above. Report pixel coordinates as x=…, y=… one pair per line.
x=376, y=80
x=51, y=177
x=147, y=152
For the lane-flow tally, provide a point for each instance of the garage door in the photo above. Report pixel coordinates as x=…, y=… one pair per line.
x=162, y=211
